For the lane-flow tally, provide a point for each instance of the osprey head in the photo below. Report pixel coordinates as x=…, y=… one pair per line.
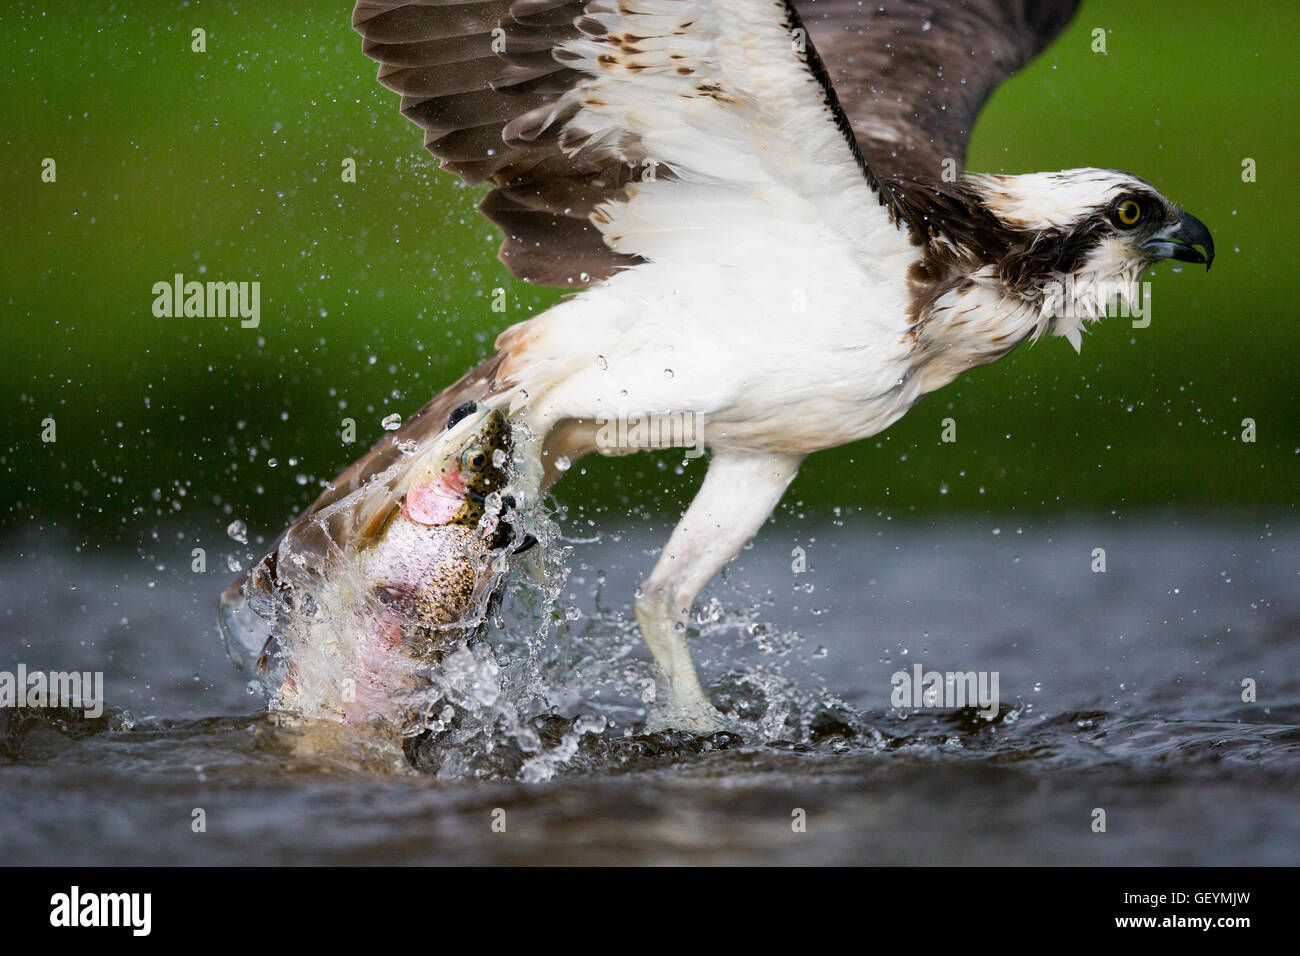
x=1074, y=245
x=1095, y=220
x=1008, y=258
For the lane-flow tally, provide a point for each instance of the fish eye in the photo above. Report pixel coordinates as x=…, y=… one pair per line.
x=473, y=460
x=1128, y=212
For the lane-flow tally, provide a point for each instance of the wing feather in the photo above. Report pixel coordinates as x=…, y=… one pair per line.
x=567, y=107
x=497, y=84
x=912, y=75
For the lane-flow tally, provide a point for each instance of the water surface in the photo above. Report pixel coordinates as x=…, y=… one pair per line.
x=1120, y=691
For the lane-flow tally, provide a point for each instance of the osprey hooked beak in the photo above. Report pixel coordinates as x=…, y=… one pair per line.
x=1179, y=241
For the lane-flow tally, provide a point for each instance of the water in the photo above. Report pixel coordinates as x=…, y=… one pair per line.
x=1120, y=691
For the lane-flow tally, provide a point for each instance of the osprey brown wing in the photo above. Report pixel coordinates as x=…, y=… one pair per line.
x=913, y=75
x=480, y=78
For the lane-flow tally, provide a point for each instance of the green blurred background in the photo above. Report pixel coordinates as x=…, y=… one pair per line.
x=226, y=165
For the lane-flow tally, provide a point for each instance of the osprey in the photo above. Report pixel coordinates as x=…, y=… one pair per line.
x=791, y=263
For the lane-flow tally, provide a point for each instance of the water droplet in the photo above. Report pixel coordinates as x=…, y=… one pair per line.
x=668, y=373
x=238, y=530
x=710, y=613
x=392, y=422
x=563, y=464
x=601, y=362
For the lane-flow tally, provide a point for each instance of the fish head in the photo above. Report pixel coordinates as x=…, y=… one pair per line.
x=464, y=465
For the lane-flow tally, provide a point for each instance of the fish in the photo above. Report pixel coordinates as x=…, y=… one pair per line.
x=424, y=554
x=355, y=599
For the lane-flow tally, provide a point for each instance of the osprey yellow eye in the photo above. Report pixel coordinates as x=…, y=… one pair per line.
x=1128, y=212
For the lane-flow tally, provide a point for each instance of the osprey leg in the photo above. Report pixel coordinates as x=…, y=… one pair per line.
x=737, y=496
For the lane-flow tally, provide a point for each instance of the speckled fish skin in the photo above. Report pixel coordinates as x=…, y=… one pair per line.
x=429, y=558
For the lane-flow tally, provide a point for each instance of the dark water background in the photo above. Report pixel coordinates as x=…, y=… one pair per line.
x=1120, y=691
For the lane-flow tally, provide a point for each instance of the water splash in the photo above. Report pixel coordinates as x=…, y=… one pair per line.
x=523, y=685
